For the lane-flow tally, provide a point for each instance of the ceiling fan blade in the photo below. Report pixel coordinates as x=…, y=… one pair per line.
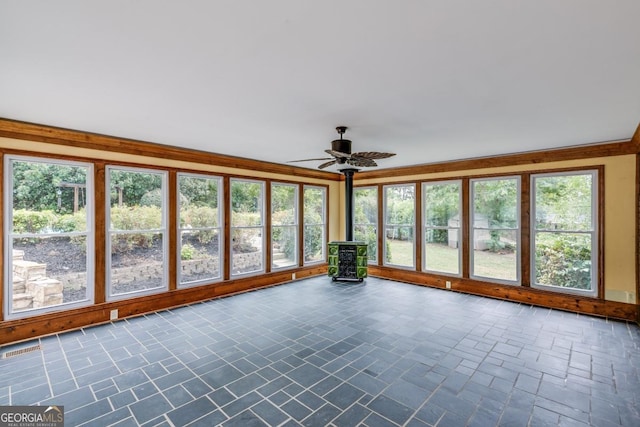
x=337, y=154
x=361, y=162
x=324, y=165
x=372, y=155
x=309, y=160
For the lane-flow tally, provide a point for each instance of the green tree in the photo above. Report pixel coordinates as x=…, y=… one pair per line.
x=283, y=204
x=246, y=196
x=496, y=202
x=40, y=186
x=366, y=219
x=199, y=191
x=400, y=211
x=442, y=203
x=133, y=185
x=314, y=205
x=365, y=205
x=564, y=202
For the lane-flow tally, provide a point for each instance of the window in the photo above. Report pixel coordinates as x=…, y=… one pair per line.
x=442, y=220
x=49, y=243
x=284, y=225
x=199, y=228
x=564, y=238
x=399, y=225
x=247, y=227
x=365, y=222
x=495, y=229
x=136, y=232
x=315, y=206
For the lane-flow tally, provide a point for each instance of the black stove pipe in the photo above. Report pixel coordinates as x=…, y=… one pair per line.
x=348, y=203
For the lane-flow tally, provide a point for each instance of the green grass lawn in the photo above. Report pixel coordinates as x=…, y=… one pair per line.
x=443, y=258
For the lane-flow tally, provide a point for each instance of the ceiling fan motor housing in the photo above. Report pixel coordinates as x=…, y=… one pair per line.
x=341, y=145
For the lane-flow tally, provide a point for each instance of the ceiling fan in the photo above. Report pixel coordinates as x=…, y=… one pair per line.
x=341, y=154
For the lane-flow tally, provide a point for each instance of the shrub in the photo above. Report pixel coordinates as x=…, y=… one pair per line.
x=26, y=221
x=283, y=231
x=152, y=198
x=368, y=235
x=71, y=222
x=286, y=237
x=313, y=239
x=246, y=219
x=187, y=252
x=134, y=218
x=563, y=260
x=65, y=224
x=201, y=217
x=283, y=217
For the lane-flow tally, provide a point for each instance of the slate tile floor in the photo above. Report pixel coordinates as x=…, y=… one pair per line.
x=319, y=353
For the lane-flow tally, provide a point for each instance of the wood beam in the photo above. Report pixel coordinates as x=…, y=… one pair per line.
x=39, y=133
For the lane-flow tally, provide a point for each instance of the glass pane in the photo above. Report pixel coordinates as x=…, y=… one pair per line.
x=48, y=197
x=136, y=200
x=365, y=205
x=200, y=255
x=198, y=202
x=284, y=251
x=494, y=254
x=284, y=204
x=399, y=246
x=246, y=250
x=441, y=250
x=563, y=260
x=137, y=262
x=48, y=272
x=442, y=205
x=399, y=205
x=314, y=243
x=246, y=203
x=495, y=203
x=367, y=234
x=564, y=202
x=314, y=202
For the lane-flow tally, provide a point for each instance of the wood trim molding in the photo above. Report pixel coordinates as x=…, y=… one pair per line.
x=419, y=237
x=525, y=229
x=601, y=231
x=3, y=279
x=635, y=139
x=266, y=215
x=525, y=295
x=464, y=227
x=172, y=228
x=226, y=203
x=637, y=237
x=100, y=233
x=604, y=149
x=53, y=135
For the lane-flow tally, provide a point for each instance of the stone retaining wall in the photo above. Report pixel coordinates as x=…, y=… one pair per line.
x=33, y=289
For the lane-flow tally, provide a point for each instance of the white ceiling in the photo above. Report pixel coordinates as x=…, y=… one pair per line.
x=431, y=80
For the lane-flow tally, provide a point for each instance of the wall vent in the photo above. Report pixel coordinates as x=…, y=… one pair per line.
x=21, y=351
